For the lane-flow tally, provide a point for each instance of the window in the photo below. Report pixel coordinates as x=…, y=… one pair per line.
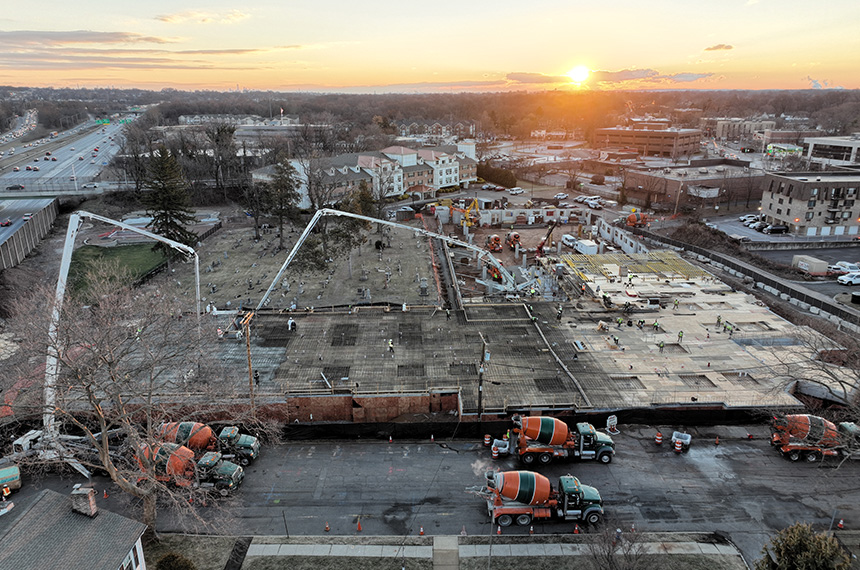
x=811, y=204
x=779, y=211
x=846, y=215
x=814, y=192
x=780, y=201
x=136, y=559
x=789, y=200
x=809, y=216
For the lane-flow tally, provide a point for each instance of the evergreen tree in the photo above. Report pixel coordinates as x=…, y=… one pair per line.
x=798, y=547
x=167, y=201
x=281, y=195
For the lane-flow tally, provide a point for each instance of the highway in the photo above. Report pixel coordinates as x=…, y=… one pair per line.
x=75, y=157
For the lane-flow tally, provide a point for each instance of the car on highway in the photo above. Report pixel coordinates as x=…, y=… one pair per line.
x=6, y=222
x=849, y=279
x=36, y=168
x=15, y=187
x=560, y=196
x=53, y=159
x=90, y=185
x=28, y=167
x=16, y=169
x=73, y=177
x=27, y=216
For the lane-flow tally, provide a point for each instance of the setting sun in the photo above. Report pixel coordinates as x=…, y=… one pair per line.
x=578, y=74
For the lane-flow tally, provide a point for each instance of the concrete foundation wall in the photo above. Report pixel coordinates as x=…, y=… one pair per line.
x=361, y=408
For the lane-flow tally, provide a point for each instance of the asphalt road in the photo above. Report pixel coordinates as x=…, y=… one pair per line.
x=741, y=487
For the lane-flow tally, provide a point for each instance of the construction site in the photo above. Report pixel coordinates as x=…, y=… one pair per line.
x=419, y=325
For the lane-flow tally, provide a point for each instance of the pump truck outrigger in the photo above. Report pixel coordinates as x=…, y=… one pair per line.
x=543, y=439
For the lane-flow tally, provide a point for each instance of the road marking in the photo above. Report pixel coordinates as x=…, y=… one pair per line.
x=320, y=482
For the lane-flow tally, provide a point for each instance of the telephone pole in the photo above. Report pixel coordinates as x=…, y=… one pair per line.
x=481, y=377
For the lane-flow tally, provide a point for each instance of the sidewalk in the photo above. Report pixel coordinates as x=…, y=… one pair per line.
x=449, y=552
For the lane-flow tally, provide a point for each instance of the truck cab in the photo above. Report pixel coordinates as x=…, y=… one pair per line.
x=225, y=476
x=579, y=502
x=594, y=444
x=246, y=447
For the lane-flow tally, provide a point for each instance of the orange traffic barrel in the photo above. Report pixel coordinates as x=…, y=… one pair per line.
x=679, y=447
x=658, y=439
x=487, y=440
x=495, y=452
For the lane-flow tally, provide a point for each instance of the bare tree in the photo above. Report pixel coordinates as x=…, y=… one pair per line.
x=610, y=548
x=128, y=361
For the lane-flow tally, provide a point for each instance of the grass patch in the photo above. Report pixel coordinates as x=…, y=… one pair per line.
x=662, y=562
x=335, y=563
x=207, y=552
x=136, y=259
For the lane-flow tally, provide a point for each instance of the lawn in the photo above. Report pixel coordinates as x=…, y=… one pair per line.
x=207, y=552
x=137, y=259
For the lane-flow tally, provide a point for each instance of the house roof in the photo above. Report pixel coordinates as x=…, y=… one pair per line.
x=46, y=533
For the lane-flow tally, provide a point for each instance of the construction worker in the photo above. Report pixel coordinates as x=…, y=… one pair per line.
x=616, y=340
x=559, y=313
x=661, y=345
x=620, y=321
x=719, y=320
x=680, y=336
x=676, y=303
x=391, y=345
x=656, y=326
x=6, y=491
x=447, y=314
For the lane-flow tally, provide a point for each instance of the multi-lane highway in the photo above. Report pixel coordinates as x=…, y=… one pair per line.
x=69, y=162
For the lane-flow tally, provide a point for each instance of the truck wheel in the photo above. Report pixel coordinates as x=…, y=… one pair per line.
x=223, y=492
x=605, y=458
x=593, y=518
x=545, y=458
x=794, y=455
x=528, y=458
x=505, y=520
x=524, y=520
x=244, y=461
x=813, y=457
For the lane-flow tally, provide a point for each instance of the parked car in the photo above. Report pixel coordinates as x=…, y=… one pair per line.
x=758, y=226
x=836, y=270
x=594, y=205
x=748, y=218
x=516, y=190
x=848, y=267
x=849, y=279
x=560, y=196
x=776, y=229
x=580, y=199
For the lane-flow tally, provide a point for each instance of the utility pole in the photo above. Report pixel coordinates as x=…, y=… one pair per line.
x=481, y=377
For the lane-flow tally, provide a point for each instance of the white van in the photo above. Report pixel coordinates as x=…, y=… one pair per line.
x=568, y=240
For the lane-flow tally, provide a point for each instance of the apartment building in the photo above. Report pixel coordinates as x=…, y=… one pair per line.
x=813, y=203
x=834, y=151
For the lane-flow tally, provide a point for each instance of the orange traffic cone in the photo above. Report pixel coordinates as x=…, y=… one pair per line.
x=532, y=529
x=499, y=530
x=105, y=494
x=576, y=529
x=841, y=524
x=421, y=531
x=327, y=528
x=390, y=439
x=717, y=441
x=359, y=525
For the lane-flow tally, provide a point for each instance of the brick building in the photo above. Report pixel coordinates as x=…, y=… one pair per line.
x=813, y=203
x=669, y=142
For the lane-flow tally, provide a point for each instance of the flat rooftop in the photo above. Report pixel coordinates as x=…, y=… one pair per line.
x=537, y=359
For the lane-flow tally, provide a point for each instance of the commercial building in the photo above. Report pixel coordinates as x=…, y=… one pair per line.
x=701, y=185
x=650, y=140
x=834, y=151
x=813, y=203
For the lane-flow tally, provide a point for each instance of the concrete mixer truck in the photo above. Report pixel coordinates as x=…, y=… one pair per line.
x=524, y=496
x=803, y=436
x=175, y=464
x=542, y=439
x=201, y=438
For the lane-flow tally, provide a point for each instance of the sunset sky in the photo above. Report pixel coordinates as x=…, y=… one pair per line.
x=471, y=45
